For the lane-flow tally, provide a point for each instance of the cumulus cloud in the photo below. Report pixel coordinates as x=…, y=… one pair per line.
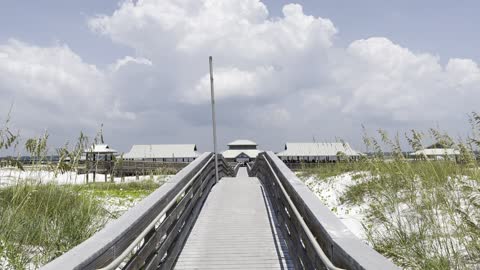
x=388, y=79
x=48, y=74
x=232, y=83
x=463, y=73
x=280, y=76
x=53, y=88
x=241, y=29
x=289, y=62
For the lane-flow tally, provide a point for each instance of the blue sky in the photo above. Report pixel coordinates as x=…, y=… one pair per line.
x=443, y=28
x=396, y=66
x=46, y=22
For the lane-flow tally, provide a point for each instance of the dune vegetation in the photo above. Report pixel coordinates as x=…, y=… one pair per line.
x=423, y=214
x=40, y=219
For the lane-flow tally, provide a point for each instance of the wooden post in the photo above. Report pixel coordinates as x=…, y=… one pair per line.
x=86, y=165
x=95, y=167
x=107, y=165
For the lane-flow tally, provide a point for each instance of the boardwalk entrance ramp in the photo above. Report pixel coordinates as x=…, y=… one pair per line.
x=235, y=230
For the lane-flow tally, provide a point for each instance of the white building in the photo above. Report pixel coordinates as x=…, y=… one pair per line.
x=316, y=152
x=99, y=152
x=163, y=152
x=241, y=151
x=436, y=153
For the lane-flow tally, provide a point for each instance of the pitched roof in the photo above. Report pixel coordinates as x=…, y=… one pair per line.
x=100, y=148
x=436, y=152
x=242, y=142
x=317, y=149
x=252, y=153
x=162, y=151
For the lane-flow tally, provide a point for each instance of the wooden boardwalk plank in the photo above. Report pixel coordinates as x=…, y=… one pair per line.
x=235, y=230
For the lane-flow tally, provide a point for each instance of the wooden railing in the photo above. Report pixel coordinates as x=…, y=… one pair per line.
x=151, y=234
x=315, y=237
x=128, y=167
x=236, y=168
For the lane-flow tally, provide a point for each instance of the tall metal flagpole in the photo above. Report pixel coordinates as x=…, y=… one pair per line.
x=213, y=120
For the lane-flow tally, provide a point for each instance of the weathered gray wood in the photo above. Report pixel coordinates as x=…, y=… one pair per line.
x=243, y=225
x=235, y=230
x=156, y=262
x=154, y=243
x=281, y=212
x=176, y=249
x=163, y=252
x=338, y=243
x=110, y=242
x=178, y=225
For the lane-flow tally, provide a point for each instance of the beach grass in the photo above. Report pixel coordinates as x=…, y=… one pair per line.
x=40, y=220
x=423, y=214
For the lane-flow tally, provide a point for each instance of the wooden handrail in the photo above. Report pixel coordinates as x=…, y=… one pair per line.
x=308, y=225
x=158, y=225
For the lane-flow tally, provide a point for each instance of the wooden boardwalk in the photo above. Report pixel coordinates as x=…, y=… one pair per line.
x=235, y=230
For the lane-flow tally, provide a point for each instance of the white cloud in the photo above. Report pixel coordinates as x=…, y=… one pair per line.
x=232, y=83
x=387, y=79
x=285, y=71
x=463, y=73
x=129, y=60
x=240, y=29
x=53, y=88
x=48, y=74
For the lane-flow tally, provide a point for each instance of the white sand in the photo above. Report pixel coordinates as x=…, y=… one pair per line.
x=11, y=176
x=329, y=192
x=115, y=205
